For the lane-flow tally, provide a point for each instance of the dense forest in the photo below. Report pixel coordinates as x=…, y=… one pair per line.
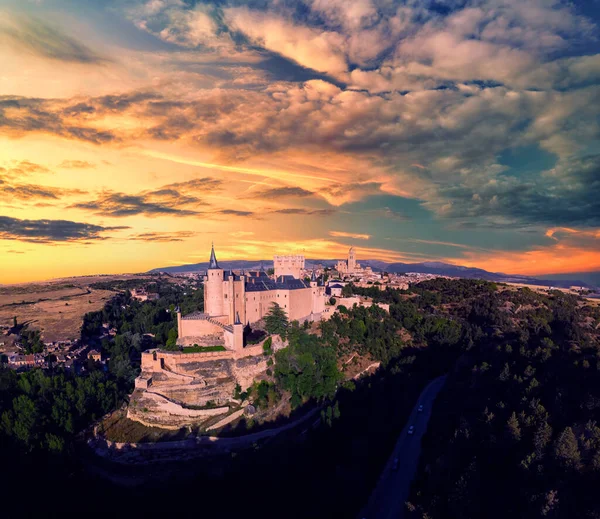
x=513, y=432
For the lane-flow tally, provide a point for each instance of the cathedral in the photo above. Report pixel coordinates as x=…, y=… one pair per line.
x=234, y=299
x=350, y=267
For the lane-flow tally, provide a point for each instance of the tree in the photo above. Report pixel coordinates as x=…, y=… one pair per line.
x=330, y=414
x=505, y=374
x=347, y=290
x=276, y=321
x=596, y=461
x=357, y=330
x=172, y=340
x=26, y=414
x=267, y=346
x=550, y=502
x=566, y=449
x=307, y=368
x=512, y=428
x=542, y=438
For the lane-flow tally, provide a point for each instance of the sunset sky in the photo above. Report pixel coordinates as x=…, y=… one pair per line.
x=135, y=133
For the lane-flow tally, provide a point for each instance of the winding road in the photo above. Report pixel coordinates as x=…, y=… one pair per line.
x=392, y=490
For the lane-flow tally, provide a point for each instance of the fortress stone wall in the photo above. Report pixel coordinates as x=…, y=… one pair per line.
x=172, y=384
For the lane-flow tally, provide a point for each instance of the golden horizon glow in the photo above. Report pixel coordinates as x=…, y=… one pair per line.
x=132, y=136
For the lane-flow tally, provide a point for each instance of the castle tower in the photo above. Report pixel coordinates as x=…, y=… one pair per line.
x=288, y=266
x=213, y=287
x=351, y=260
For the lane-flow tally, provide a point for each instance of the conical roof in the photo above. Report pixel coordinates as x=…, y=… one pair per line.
x=213, y=259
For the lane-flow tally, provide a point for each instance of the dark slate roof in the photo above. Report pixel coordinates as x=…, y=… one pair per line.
x=264, y=283
x=257, y=274
x=213, y=259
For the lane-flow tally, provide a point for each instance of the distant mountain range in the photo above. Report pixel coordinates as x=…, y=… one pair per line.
x=589, y=280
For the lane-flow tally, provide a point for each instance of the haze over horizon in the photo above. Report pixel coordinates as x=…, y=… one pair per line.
x=135, y=133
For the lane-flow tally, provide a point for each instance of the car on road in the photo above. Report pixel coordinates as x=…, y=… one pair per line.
x=395, y=464
x=411, y=429
x=420, y=409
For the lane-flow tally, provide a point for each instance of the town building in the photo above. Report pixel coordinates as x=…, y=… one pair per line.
x=142, y=294
x=335, y=289
x=234, y=299
x=95, y=355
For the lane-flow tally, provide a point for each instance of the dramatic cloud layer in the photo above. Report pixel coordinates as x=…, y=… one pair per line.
x=47, y=231
x=459, y=131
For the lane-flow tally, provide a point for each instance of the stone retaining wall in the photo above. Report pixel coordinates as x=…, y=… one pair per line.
x=101, y=445
x=156, y=410
x=172, y=359
x=227, y=420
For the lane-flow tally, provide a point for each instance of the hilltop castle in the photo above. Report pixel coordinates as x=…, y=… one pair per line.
x=175, y=388
x=232, y=300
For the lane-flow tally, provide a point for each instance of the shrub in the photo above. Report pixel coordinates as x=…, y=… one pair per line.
x=268, y=346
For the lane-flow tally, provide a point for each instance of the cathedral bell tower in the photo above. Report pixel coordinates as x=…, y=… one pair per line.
x=351, y=260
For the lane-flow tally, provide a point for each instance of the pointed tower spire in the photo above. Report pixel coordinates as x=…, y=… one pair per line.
x=313, y=276
x=213, y=259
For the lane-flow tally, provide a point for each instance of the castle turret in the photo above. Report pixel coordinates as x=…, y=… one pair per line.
x=212, y=264
x=213, y=287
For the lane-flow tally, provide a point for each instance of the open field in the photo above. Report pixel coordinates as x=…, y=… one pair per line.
x=55, y=307
x=544, y=289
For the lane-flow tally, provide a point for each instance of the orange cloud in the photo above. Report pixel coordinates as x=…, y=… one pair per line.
x=341, y=234
x=316, y=248
x=557, y=259
x=551, y=233
x=313, y=48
